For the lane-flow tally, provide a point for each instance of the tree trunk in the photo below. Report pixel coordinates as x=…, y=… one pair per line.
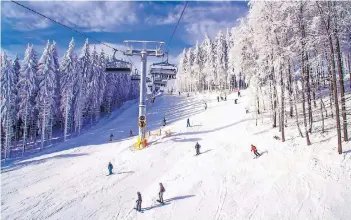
x=282, y=105
x=290, y=91
x=335, y=94
x=349, y=64
x=308, y=90
x=341, y=85
x=25, y=131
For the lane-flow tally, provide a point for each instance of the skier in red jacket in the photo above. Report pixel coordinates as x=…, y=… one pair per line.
x=254, y=149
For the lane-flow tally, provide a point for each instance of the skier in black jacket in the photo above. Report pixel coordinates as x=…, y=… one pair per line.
x=138, y=207
x=197, y=147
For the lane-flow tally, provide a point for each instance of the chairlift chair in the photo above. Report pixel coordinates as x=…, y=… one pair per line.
x=117, y=65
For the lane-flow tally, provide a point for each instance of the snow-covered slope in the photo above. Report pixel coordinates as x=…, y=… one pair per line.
x=289, y=181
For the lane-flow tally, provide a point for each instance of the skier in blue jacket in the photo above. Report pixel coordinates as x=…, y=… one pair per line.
x=109, y=167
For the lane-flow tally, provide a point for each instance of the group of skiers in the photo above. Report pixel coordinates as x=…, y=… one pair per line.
x=197, y=149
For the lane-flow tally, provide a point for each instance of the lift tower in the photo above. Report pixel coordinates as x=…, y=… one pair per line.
x=143, y=49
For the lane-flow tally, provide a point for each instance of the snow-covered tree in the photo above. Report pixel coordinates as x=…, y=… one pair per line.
x=26, y=91
x=68, y=70
x=8, y=104
x=55, y=58
x=83, y=78
x=46, y=94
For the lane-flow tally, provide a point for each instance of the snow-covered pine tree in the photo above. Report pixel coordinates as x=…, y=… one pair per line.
x=83, y=78
x=198, y=66
x=46, y=95
x=16, y=66
x=55, y=58
x=220, y=60
x=7, y=105
x=26, y=91
x=208, y=55
x=102, y=81
x=189, y=70
x=94, y=86
x=181, y=79
x=68, y=70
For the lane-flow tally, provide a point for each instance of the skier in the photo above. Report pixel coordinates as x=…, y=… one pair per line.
x=188, y=123
x=239, y=93
x=109, y=167
x=153, y=99
x=254, y=149
x=111, y=136
x=160, y=194
x=131, y=133
x=179, y=93
x=205, y=105
x=138, y=206
x=225, y=98
x=197, y=147
x=164, y=121
x=217, y=98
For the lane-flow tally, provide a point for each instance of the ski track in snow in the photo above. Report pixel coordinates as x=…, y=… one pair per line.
x=289, y=180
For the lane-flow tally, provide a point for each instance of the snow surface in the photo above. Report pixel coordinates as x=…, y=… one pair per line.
x=289, y=181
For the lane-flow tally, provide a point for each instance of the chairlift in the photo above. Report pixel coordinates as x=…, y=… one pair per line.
x=163, y=70
x=117, y=65
x=135, y=76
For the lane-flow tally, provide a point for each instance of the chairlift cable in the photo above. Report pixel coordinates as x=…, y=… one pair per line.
x=180, y=17
x=72, y=29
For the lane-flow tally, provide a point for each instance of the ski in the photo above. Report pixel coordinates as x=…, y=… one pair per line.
x=141, y=211
x=160, y=201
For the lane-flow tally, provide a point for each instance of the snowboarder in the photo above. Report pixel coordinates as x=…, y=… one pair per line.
x=217, y=98
x=109, y=167
x=188, y=123
x=197, y=147
x=111, y=136
x=131, y=133
x=138, y=202
x=160, y=194
x=205, y=105
x=254, y=149
x=164, y=121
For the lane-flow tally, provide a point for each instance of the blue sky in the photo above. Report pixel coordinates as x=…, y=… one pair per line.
x=114, y=21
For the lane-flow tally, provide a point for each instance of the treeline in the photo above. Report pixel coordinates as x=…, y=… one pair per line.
x=39, y=95
x=292, y=54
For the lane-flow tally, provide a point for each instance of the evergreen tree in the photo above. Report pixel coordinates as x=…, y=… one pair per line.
x=68, y=70
x=26, y=91
x=8, y=104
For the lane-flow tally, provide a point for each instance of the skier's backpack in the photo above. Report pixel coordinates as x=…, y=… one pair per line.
x=163, y=189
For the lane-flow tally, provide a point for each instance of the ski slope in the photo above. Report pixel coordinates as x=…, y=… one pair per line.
x=289, y=181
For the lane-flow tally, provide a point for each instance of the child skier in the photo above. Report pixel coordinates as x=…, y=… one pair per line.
x=160, y=194
x=188, y=123
x=109, y=167
x=111, y=136
x=138, y=206
x=254, y=149
x=164, y=121
x=197, y=147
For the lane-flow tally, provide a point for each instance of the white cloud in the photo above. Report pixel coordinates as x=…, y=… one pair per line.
x=90, y=16
x=201, y=19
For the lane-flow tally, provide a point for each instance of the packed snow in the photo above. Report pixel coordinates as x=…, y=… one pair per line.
x=289, y=181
